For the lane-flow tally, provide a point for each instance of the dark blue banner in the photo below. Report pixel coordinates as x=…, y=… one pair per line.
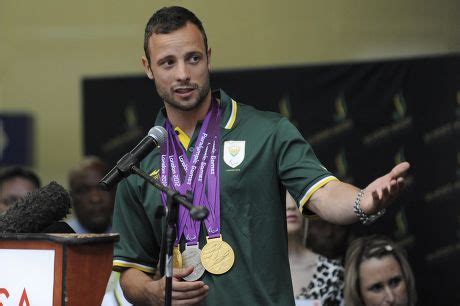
x=16, y=139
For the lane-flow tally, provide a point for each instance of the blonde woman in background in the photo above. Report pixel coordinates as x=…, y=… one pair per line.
x=378, y=273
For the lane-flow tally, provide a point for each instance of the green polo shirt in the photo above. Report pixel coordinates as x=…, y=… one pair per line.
x=262, y=154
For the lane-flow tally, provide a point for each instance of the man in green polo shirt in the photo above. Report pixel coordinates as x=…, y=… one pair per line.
x=238, y=162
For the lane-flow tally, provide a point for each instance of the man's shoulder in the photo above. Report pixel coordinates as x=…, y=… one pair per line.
x=256, y=116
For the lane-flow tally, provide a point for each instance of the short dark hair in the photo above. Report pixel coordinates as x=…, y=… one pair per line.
x=86, y=163
x=169, y=19
x=9, y=173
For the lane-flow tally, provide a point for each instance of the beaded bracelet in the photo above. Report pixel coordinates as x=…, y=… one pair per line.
x=365, y=219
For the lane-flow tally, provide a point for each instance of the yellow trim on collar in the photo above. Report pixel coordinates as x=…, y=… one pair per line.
x=232, y=118
x=313, y=189
x=183, y=137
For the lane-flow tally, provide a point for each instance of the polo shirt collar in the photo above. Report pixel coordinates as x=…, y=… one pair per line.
x=229, y=111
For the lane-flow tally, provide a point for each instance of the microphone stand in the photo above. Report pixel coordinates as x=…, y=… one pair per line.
x=169, y=233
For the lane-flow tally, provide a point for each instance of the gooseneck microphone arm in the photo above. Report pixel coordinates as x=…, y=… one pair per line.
x=196, y=212
x=155, y=138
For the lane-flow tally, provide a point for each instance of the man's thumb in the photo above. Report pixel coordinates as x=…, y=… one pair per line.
x=182, y=272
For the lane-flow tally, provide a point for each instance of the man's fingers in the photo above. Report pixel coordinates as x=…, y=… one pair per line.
x=400, y=170
x=190, y=294
x=394, y=187
x=181, y=273
x=401, y=182
x=375, y=196
x=187, y=286
x=385, y=193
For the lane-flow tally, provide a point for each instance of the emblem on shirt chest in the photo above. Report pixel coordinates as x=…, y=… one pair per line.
x=234, y=152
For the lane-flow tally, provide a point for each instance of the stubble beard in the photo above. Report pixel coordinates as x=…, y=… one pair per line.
x=168, y=97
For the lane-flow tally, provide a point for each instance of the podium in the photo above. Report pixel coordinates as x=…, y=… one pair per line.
x=55, y=269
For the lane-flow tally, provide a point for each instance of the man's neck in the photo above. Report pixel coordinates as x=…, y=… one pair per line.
x=187, y=120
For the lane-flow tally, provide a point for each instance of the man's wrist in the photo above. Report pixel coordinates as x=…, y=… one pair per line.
x=364, y=218
x=154, y=291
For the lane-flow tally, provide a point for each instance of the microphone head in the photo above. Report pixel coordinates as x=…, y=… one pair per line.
x=159, y=134
x=37, y=210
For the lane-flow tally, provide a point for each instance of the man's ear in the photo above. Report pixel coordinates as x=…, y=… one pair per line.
x=209, y=58
x=146, y=65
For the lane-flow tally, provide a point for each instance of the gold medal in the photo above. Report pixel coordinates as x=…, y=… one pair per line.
x=217, y=256
x=177, y=257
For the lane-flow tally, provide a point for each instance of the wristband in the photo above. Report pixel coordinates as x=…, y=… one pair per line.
x=365, y=219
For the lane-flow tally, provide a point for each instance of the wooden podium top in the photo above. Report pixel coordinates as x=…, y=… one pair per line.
x=69, y=239
x=77, y=267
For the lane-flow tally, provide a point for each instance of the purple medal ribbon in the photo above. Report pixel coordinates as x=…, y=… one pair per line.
x=169, y=162
x=189, y=175
x=213, y=196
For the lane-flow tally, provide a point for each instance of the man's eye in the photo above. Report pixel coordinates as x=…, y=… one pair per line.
x=82, y=190
x=167, y=63
x=10, y=200
x=195, y=59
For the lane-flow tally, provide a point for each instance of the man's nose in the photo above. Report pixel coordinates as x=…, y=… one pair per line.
x=182, y=72
x=95, y=194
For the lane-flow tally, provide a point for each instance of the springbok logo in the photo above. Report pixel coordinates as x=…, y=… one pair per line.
x=234, y=152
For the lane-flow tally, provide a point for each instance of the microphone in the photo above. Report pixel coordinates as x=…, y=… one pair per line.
x=155, y=138
x=37, y=210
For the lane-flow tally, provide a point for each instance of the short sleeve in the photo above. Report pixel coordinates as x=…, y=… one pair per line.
x=299, y=169
x=137, y=248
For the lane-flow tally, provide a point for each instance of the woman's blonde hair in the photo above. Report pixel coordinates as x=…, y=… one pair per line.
x=365, y=248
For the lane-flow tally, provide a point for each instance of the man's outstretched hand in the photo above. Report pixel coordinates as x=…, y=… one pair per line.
x=383, y=191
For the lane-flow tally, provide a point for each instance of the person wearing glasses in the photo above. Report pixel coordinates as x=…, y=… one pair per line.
x=378, y=273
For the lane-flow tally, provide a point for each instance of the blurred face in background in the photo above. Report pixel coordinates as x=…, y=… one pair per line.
x=327, y=239
x=93, y=206
x=294, y=219
x=13, y=190
x=382, y=282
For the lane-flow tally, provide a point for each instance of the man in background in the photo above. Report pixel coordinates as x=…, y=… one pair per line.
x=15, y=183
x=327, y=239
x=92, y=209
x=92, y=206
